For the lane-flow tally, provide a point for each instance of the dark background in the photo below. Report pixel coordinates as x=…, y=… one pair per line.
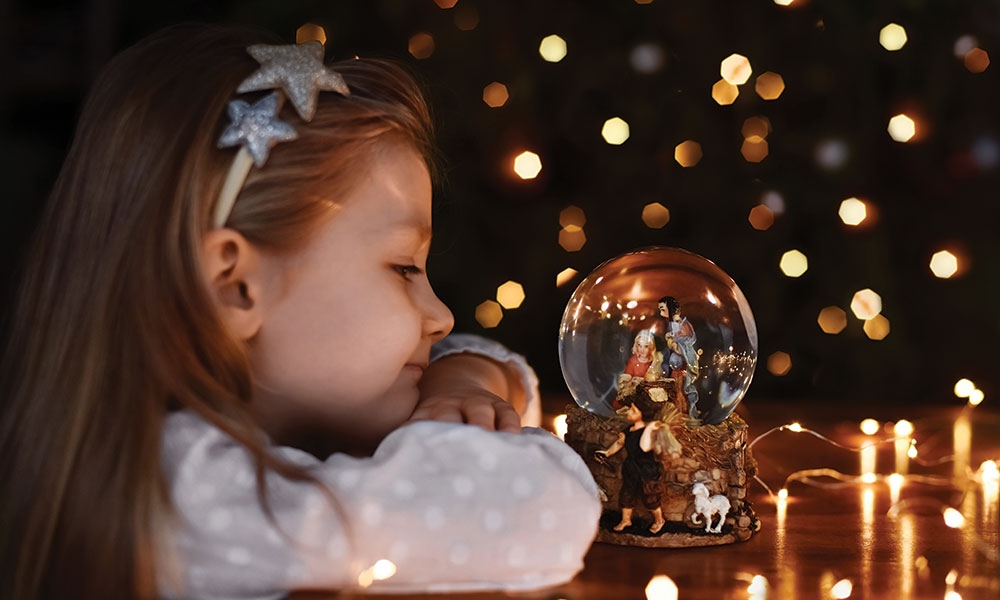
x=939, y=191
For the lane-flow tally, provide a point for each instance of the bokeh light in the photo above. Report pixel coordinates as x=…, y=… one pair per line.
x=832, y=154
x=976, y=396
x=756, y=127
x=466, y=17
x=446, y=3
x=784, y=2
x=877, y=327
x=615, y=131
x=661, y=587
x=565, y=276
x=976, y=60
x=552, y=48
x=842, y=589
x=754, y=149
x=964, y=44
x=495, y=94
x=944, y=264
x=832, y=320
x=735, y=69
x=310, y=32
x=866, y=304
x=572, y=240
x=527, y=165
x=892, y=37
x=655, y=215
x=761, y=217
x=774, y=200
x=793, y=263
x=779, y=364
x=647, y=58
x=489, y=314
x=852, y=212
x=902, y=128
x=870, y=427
x=724, y=93
x=769, y=86
x=421, y=45
x=964, y=387
x=572, y=217
x=687, y=153
x=510, y=295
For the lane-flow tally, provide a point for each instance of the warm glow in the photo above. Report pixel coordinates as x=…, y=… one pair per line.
x=902, y=128
x=756, y=127
x=866, y=304
x=944, y=264
x=383, y=569
x=912, y=451
x=510, y=295
x=903, y=428
x=572, y=240
x=892, y=37
x=758, y=587
x=852, y=211
x=964, y=387
x=877, y=327
x=793, y=263
x=989, y=472
x=779, y=363
x=976, y=397
x=869, y=477
x=527, y=165
x=769, y=86
x=784, y=2
x=832, y=320
x=953, y=518
x=870, y=426
x=794, y=427
x=552, y=48
x=565, y=276
x=495, y=94
x=724, y=93
x=687, y=153
x=421, y=45
x=761, y=217
x=615, y=131
x=754, y=150
x=572, y=217
x=842, y=589
x=661, y=587
x=976, y=60
x=488, y=314
x=446, y=3
x=952, y=595
x=655, y=215
x=735, y=69
x=466, y=17
x=951, y=577
x=783, y=494
x=559, y=426
x=310, y=32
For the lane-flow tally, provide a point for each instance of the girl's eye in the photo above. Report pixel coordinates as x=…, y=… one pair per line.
x=407, y=271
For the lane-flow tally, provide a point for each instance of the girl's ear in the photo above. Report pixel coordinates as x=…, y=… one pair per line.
x=232, y=267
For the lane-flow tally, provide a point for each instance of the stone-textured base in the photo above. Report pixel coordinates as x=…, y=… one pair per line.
x=714, y=455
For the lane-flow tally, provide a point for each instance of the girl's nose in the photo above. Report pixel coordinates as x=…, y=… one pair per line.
x=438, y=320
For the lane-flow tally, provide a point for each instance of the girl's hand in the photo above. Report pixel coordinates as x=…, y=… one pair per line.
x=473, y=389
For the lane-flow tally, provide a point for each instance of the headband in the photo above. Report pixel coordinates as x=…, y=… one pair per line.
x=293, y=71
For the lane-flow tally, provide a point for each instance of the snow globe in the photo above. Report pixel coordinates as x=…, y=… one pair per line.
x=658, y=347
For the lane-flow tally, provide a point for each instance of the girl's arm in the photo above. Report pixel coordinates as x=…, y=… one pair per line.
x=478, y=381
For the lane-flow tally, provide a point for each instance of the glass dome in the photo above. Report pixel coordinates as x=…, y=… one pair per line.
x=662, y=315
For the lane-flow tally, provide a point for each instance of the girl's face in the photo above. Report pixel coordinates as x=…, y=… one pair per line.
x=350, y=319
x=643, y=349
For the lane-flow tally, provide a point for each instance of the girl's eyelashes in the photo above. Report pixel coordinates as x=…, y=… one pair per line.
x=408, y=271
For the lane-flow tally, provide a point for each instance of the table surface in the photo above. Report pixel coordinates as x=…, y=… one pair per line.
x=830, y=530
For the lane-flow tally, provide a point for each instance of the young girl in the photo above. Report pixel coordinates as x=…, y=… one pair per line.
x=213, y=363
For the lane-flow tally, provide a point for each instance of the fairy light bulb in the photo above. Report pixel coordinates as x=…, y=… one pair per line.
x=953, y=518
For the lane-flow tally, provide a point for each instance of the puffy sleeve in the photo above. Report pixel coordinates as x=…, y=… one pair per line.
x=438, y=507
x=464, y=342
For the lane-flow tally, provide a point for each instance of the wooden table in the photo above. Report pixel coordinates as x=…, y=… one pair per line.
x=821, y=535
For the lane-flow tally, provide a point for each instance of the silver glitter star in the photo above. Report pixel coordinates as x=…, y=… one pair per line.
x=296, y=68
x=257, y=127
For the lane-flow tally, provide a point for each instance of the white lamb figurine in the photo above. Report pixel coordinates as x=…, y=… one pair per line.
x=707, y=506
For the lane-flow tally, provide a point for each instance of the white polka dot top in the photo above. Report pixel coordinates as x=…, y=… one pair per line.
x=438, y=507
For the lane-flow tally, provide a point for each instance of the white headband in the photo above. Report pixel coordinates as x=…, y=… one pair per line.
x=295, y=71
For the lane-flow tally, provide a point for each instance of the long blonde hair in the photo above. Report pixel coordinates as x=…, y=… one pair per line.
x=114, y=326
